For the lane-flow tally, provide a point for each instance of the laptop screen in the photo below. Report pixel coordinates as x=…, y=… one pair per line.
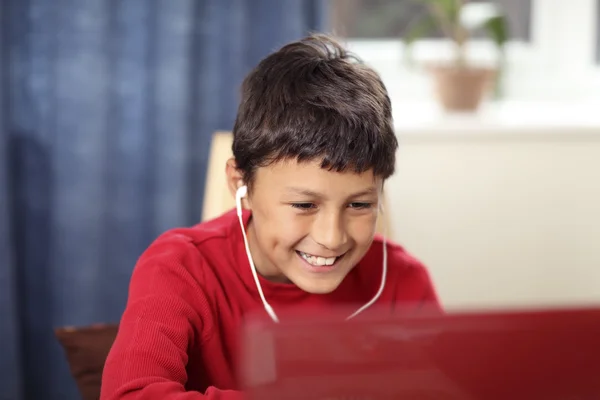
x=541, y=354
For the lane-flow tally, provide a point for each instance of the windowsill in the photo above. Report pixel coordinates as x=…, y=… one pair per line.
x=535, y=118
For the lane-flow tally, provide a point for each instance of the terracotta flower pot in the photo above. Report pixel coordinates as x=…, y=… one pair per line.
x=461, y=89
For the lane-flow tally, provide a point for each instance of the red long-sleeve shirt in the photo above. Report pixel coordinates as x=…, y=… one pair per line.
x=189, y=292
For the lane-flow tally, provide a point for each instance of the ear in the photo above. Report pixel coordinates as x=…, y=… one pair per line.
x=235, y=178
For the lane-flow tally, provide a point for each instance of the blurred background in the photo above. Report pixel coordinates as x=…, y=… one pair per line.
x=108, y=110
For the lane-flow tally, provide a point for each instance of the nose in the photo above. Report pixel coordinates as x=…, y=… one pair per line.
x=329, y=230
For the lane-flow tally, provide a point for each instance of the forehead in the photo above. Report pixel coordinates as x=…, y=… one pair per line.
x=309, y=174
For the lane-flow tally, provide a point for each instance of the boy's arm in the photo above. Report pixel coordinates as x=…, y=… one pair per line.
x=149, y=356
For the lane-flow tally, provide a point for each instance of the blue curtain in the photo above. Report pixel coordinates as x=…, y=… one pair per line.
x=106, y=112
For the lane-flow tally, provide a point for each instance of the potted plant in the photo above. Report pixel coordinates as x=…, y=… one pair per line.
x=461, y=85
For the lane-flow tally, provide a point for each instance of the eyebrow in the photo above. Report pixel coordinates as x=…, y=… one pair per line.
x=311, y=193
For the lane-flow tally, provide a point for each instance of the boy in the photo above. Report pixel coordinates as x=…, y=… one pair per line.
x=313, y=144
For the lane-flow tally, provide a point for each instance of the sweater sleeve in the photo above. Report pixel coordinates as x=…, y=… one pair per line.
x=430, y=297
x=162, y=318
x=413, y=287
x=430, y=302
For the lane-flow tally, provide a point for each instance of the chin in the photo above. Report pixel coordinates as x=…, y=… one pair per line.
x=318, y=286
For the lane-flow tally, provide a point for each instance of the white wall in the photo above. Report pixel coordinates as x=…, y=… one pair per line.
x=502, y=217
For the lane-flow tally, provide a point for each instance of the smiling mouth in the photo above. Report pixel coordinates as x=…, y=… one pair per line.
x=319, y=261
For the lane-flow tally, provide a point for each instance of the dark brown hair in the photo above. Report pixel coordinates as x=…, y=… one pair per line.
x=311, y=100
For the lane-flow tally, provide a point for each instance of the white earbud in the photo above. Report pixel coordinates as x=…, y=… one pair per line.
x=239, y=195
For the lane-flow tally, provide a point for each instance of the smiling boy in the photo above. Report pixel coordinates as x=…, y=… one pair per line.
x=313, y=144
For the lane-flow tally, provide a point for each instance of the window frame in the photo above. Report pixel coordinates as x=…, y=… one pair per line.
x=557, y=63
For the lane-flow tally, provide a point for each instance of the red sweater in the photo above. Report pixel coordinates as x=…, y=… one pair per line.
x=178, y=337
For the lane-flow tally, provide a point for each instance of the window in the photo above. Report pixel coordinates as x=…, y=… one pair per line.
x=553, y=55
x=388, y=19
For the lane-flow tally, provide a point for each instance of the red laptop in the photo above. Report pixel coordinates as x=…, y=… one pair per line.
x=542, y=354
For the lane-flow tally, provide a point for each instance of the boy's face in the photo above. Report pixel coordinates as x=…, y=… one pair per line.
x=309, y=225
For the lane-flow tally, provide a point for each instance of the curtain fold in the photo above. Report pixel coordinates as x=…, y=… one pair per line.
x=107, y=108
x=10, y=326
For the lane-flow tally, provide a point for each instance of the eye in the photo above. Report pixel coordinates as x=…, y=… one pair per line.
x=304, y=206
x=360, y=206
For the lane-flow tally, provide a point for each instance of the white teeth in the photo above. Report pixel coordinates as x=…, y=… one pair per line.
x=314, y=260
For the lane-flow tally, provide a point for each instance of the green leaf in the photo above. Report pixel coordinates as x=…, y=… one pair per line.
x=497, y=29
x=416, y=30
x=446, y=14
x=449, y=9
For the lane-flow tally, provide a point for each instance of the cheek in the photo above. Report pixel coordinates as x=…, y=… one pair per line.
x=290, y=232
x=279, y=229
x=362, y=229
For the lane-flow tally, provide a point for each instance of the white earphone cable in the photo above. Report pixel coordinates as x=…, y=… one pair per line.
x=241, y=192
x=381, y=285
